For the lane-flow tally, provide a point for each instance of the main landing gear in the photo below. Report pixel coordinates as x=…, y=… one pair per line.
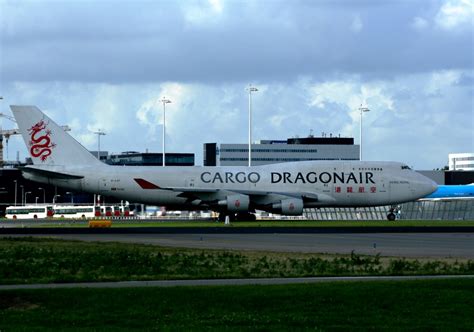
x=244, y=216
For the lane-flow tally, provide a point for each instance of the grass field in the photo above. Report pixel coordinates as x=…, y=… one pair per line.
x=436, y=305
x=36, y=260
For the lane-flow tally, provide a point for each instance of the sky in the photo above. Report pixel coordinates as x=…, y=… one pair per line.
x=103, y=64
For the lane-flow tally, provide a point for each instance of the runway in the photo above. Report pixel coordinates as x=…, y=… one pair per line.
x=413, y=245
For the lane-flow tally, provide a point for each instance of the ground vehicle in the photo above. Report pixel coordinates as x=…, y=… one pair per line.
x=74, y=212
x=106, y=211
x=29, y=212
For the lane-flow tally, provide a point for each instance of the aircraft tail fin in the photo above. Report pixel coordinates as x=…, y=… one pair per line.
x=48, y=143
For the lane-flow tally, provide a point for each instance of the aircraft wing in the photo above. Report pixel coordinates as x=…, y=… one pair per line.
x=256, y=196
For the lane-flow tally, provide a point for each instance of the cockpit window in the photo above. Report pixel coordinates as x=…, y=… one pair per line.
x=405, y=167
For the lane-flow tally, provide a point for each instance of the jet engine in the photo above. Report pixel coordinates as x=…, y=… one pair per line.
x=236, y=203
x=289, y=207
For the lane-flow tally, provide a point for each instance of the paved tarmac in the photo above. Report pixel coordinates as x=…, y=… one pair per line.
x=227, y=282
x=413, y=245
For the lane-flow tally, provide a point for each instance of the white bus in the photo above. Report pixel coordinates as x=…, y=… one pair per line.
x=29, y=212
x=74, y=212
x=115, y=211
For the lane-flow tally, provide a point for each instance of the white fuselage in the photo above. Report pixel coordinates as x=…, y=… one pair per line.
x=323, y=183
x=285, y=188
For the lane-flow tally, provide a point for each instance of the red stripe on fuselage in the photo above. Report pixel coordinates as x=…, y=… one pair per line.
x=145, y=184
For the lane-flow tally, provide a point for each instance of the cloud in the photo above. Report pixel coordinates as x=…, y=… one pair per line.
x=420, y=23
x=455, y=13
x=407, y=122
x=202, y=12
x=107, y=65
x=357, y=25
x=226, y=42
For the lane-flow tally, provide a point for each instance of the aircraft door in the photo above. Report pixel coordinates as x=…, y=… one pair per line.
x=190, y=183
x=348, y=188
x=102, y=185
x=327, y=183
x=355, y=190
x=382, y=187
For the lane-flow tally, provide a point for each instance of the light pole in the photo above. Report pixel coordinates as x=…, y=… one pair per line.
x=28, y=192
x=99, y=133
x=72, y=196
x=36, y=200
x=164, y=101
x=16, y=186
x=54, y=198
x=250, y=89
x=362, y=110
x=44, y=194
x=22, y=194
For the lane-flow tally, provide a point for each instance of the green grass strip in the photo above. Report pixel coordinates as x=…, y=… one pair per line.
x=36, y=260
x=434, y=305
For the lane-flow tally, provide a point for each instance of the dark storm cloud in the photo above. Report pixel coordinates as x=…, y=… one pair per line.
x=146, y=41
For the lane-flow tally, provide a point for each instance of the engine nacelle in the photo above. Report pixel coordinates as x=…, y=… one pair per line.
x=236, y=203
x=290, y=207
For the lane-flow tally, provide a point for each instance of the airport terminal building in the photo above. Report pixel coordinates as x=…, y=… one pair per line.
x=133, y=158
x=280, y=151
x=461, y=161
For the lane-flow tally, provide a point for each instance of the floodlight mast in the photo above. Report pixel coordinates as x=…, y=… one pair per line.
x=362, y=110
x=164, y=101
x=99, y=133
x=250, y=89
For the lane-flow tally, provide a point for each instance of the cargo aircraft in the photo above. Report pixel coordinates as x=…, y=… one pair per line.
x=285, y=188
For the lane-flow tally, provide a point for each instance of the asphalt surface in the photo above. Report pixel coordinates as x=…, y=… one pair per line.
x=226, y=282
x=413, y=245
x=29, y=229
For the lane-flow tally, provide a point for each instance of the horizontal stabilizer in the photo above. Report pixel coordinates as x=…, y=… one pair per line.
x=49, y=174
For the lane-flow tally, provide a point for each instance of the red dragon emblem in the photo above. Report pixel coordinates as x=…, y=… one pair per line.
x=40, y=146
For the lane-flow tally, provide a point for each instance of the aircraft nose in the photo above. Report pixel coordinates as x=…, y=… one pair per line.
x=427, y=186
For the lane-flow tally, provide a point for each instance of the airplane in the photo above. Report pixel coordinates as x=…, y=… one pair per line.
x=233, y=191
x=451, y=192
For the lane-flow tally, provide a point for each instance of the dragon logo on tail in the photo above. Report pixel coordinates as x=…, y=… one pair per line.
x=40, y=143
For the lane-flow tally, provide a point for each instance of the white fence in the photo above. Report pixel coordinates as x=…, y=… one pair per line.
x=420, y=210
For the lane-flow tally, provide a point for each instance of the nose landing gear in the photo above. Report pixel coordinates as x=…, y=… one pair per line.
x=392, y=214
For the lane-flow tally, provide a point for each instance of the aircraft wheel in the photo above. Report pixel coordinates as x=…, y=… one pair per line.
x=391, y=216
x=247, y=216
